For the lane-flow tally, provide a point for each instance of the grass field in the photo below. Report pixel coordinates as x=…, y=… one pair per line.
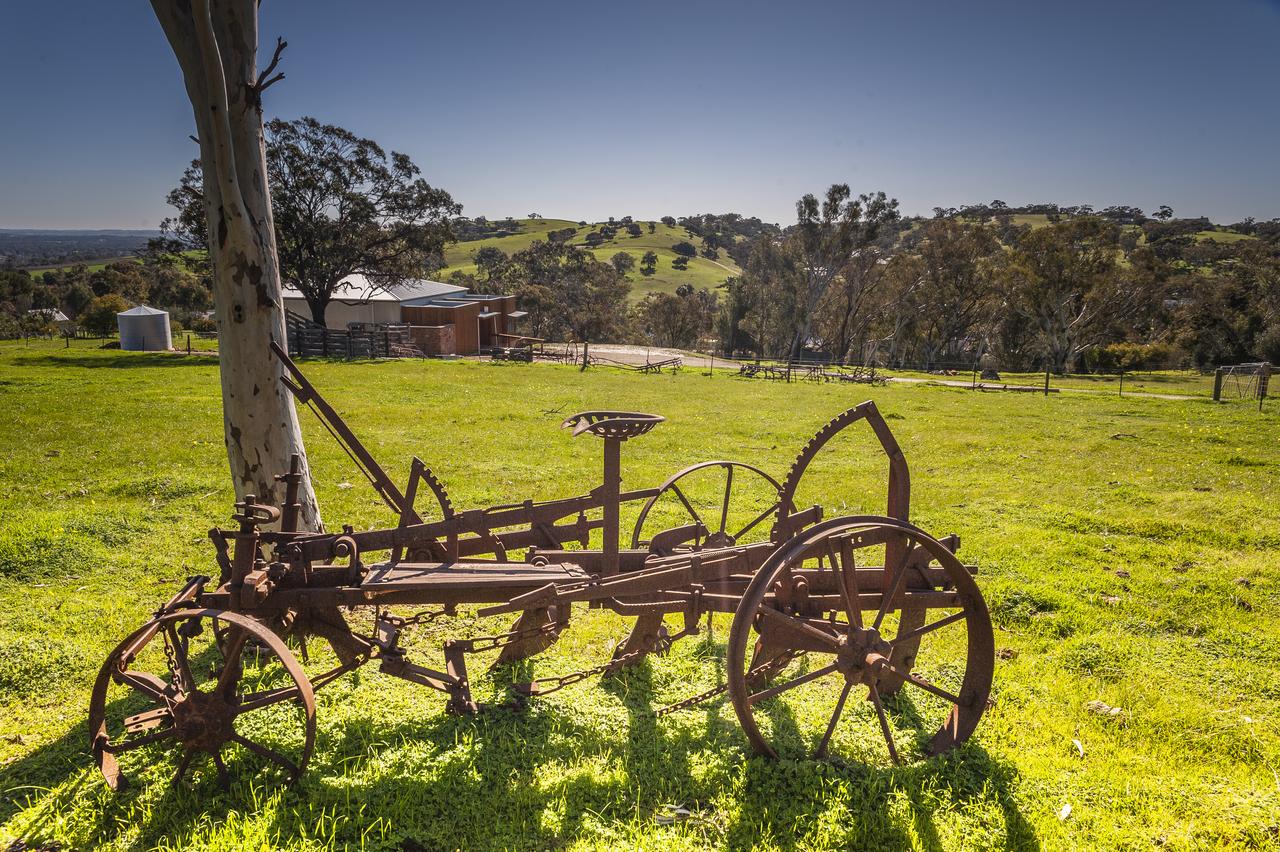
x=701, y=272
x=1129, y=550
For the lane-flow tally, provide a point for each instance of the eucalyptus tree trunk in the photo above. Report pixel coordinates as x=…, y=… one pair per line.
x=216, y=44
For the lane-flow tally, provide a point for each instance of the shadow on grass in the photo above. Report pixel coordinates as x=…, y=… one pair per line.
x=121, y=361
x=541, y=777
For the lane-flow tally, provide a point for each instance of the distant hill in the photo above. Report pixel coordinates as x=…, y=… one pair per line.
x=30, y=248
x=701, y=272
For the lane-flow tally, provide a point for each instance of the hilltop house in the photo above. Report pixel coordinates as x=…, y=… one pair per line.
x=443, y=319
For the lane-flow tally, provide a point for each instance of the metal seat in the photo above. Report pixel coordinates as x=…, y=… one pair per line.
x=619, y=425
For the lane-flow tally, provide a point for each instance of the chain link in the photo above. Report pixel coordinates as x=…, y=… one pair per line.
x=692, y=700
x=558, y=683
x=426, y=616
x=780, y=663
x=171, y=660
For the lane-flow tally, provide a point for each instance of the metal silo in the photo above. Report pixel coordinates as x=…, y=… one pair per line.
x=144, y=329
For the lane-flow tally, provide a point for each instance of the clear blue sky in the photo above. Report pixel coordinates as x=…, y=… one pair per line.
x=645, y=109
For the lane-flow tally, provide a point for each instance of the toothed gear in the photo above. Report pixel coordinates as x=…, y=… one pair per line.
x=787, y=493
x=437, y=488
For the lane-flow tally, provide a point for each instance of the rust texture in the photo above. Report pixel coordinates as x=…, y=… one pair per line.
x=820, y=608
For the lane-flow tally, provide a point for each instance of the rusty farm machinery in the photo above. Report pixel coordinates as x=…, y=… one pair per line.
x=867, y=606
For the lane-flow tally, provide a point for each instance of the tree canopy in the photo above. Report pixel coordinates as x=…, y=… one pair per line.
x=342, y=205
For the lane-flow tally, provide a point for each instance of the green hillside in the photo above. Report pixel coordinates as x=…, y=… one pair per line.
x=701, y=272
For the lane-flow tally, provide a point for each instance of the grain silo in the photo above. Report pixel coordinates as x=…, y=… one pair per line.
x=144, y=329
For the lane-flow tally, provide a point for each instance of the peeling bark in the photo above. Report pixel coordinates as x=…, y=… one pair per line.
x=216, y=43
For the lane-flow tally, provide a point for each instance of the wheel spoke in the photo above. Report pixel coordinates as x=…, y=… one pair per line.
x=231, y=666
x=783, y=620
x=749, y=527
x=728, y=492
x=884, y=723
x=268, y=753
x=900, y=574
x=929, y=628
x=146, y=683
x=139, y=742
x=689, y=506
x=793, y=683
x=258, y=700
x=846, y=574
x=915, y=679
x=224, y=777
x=821, y=750
x=183, y=763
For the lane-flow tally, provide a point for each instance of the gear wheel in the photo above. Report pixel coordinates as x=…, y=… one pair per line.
x=787, y=493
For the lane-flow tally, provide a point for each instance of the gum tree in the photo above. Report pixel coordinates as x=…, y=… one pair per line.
x=216, y=45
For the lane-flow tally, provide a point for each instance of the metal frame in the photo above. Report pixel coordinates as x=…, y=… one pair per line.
x=276, y=581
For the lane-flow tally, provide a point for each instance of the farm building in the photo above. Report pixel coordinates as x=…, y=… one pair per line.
x=442, y=319
x=54, y=317
x=358, y=300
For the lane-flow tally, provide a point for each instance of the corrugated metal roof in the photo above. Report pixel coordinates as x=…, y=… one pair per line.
x=358, y=289
x=518, y=314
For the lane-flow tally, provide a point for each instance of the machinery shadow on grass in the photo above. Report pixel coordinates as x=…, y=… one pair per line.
x=542, y=776
x=786, y=803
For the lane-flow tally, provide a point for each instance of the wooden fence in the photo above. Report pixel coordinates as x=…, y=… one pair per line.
x=311, y=340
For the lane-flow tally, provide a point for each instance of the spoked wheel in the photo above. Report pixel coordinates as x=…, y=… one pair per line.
x=703, y=496
x=827, y=655
x=201, y=681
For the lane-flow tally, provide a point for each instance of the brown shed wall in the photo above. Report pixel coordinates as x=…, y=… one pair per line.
x=464, y=316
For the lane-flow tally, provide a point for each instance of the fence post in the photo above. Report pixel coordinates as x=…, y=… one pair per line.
x=1264, y=380
x=1217, y=385
x=1122, y=382
x=586, y=344
x=1046, y=380
x=188, y=344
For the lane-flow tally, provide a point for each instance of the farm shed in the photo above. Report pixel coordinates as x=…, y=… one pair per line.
x=54, y=316
x=144, y=329
x=443, y=319
x=356, y=299
x=479, y=321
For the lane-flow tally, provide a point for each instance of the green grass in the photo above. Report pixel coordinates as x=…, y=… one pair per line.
x=92, y=266
x=701, y=272
x=114, y=467
x=1222, y=236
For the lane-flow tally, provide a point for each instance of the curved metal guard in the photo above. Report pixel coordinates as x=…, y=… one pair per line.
x=612, y=424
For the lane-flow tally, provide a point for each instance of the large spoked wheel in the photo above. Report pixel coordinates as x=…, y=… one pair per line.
x=835, y=615
x=702, y=496
x=201, y=681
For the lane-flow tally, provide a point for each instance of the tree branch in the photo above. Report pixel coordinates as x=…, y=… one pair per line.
x=265, y=80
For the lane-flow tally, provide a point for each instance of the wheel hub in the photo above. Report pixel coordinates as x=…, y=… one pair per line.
x=204, y=720
x=862, y=654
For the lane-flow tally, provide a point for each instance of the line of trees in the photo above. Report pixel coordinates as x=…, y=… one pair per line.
x=853, y=282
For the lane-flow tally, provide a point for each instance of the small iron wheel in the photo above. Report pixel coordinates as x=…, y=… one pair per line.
x=201, y=682
x=720, y=512
x=836, y=613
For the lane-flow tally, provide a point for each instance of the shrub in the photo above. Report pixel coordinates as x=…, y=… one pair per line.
x=685, y=248
x=1129, y=356
x=100, y=317
x=1267, y=346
